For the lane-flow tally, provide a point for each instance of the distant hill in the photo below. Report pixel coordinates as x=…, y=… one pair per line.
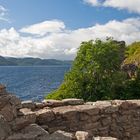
x=11, y=61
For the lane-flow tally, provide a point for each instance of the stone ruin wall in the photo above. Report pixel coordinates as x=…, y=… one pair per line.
x=69, y=119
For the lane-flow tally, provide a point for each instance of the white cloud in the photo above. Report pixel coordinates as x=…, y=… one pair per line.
x=130, y=5
x=44, y=27
x=3, y=13
x=64, y=43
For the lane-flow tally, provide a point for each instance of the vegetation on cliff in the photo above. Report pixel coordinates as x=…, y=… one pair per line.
x=133, y=54
x=99, y=72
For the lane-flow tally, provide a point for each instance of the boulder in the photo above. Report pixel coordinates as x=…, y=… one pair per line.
x=82, y=135
x=73, y=101
x=4, y=128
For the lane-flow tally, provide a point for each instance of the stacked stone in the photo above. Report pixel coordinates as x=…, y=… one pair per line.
x=120, y=119
x=69, y=119
x=13, y=125
x=8, y=111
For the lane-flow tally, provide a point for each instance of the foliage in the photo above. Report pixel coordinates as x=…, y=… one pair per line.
x=130, y=90
x=133, y=53
x=95, y=73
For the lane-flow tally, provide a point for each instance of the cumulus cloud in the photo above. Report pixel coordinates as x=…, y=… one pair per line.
x=3, y=13
x=63, y=44
x=45, y=27
x=130, y=5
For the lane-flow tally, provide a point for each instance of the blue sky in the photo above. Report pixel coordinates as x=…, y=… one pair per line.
x=55, y=28
x=74, y=13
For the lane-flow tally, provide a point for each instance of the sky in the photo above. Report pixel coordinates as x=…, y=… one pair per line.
x=55, y=28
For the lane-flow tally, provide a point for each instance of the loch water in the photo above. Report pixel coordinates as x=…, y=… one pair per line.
x=32, y=82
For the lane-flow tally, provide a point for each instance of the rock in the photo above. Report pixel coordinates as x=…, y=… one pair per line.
x=45, y=127
x=39, y=105
x=52, y=103
x=82, y=135
x=136, y=137
x=20, y=136
x=117, y=102
x=73, y=101
x=90, y=103
x=34, y=132
x=9, y=112
x=44, y=115
x=89, y=109
x=15, y=102
x=106, y=121
x=134, y=102
x=103, y=104
x=104, y=138
x=25, y=111
x=106, y=106
x=4, y=128
x=4, y=99
x=2, y=89
x=31, y=132
x=61, y=135
x=117, y=118
x=129, y=104
x=34, y=128
x=83, y=116
x=23, y=121
x=112, y=109
x=40, y=133
x=8, y=106
x=28, y=104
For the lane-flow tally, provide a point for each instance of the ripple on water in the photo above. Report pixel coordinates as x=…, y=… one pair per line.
x=32, y=83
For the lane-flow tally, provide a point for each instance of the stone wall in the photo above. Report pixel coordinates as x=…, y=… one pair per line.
x=69, y=119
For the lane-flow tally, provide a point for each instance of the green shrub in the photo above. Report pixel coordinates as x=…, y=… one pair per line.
x=95, y=73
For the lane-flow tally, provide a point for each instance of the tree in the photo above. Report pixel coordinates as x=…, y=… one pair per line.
x=95, y=73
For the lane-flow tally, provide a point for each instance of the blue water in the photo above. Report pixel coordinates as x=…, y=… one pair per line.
x=32, y=83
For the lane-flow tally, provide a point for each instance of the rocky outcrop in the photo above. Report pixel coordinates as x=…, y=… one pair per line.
x=69, y=119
